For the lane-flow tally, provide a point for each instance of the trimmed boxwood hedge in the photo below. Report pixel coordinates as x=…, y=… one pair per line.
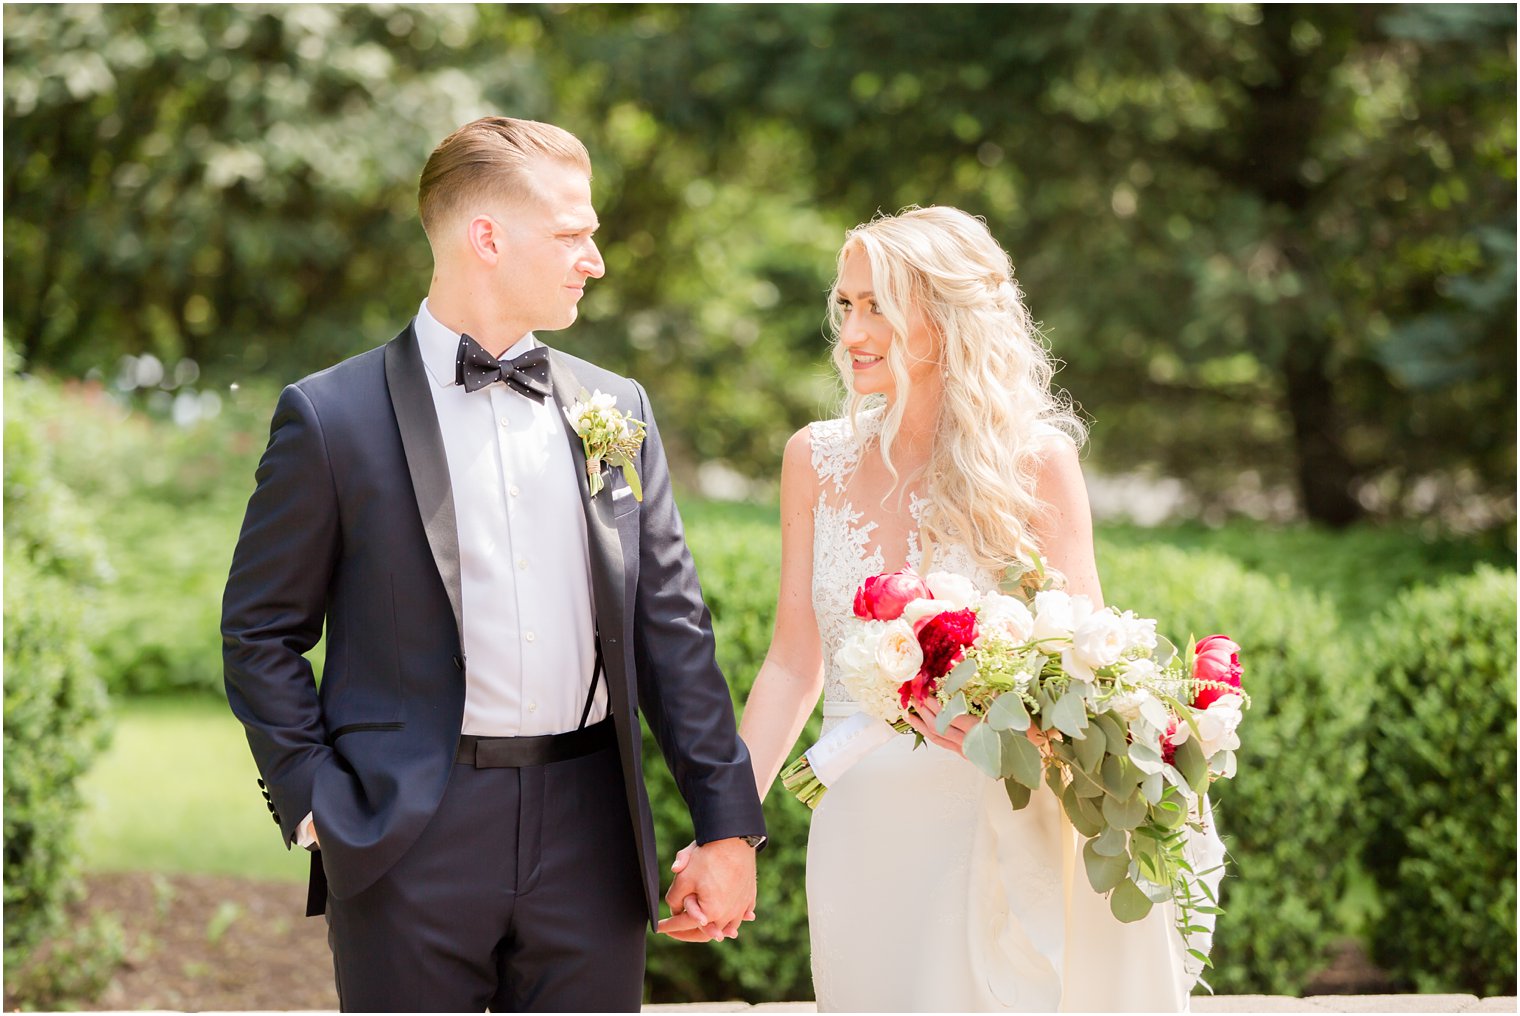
x=1440, y=785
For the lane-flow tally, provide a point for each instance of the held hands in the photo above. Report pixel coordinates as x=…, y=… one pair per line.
x=922, y=717
x=713, y=891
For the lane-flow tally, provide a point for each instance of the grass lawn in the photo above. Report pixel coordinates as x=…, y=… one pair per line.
x=175, y=792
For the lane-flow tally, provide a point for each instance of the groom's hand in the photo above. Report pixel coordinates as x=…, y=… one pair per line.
x=713, y=891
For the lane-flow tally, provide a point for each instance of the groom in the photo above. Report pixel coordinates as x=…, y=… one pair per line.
x=468, y=773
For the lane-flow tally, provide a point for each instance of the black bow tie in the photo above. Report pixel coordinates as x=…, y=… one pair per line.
x=527, y=373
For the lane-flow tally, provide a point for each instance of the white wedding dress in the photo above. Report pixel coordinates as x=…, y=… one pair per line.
x=926, y=890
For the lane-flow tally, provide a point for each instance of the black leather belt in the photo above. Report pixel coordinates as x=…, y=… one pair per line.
x=540, y=750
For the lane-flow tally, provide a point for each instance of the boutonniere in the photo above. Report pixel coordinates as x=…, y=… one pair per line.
x=610, y=437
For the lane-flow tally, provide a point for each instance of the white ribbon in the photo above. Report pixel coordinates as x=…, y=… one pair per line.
x=846, y=744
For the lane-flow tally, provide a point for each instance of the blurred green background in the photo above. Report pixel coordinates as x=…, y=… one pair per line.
x=1273, y=245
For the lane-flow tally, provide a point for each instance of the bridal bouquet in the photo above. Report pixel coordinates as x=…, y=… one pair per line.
x=1134, y=732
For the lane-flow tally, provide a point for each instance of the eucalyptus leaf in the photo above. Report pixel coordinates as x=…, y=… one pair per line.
x=1128, y=903
x=1125, y=813
x=958, y=676
x=1083, y=816
x=948, y=713
x=1152, y=787
x=1111, y=842
x=1021, y=760
x=1091, y=811
x=1086, y=783
x=1069, y=715
x=1191, y=764
x=1155, y=713
x=1104, y=871
x=1147, y=758
x=1054, y=780
x=1171, y=814
x=1090, y=748
x=1008, y=713
x=1114, y=731
x=984, y=749
x=1018, y=794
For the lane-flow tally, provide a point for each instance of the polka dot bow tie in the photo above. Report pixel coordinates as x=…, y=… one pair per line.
x=528, y=373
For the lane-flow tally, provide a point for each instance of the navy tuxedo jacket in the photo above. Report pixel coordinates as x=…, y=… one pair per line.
x=351, y=526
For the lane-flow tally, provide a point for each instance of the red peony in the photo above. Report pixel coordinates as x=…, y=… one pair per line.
x=1217, y=659
x=883, y=597
x=944, y=640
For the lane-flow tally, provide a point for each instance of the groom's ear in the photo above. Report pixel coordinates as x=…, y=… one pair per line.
x=483, y=234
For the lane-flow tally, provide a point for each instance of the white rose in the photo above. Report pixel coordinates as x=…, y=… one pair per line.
x=1007, y=615
x=898, y=653
x=1056, y=615
x=1217, y=725
x=1099, y=639
x=954, y=589
x=916, y=610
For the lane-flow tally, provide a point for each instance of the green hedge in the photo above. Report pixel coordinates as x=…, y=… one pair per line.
x=1286, y=818
x=55, y=705
x=738, y=553
x=1440, y=785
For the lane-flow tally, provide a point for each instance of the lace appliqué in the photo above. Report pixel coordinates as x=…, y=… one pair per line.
x=842, y=554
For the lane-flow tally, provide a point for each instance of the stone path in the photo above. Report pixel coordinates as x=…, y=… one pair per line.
x=1220, y=1003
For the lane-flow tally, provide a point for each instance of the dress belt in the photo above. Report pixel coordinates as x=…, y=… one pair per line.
x=539, y=750
x=840, y=710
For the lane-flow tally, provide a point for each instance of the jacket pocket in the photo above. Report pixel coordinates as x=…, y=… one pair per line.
x=352, y=728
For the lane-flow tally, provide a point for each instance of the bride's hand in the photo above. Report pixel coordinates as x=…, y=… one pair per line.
x=922, y=718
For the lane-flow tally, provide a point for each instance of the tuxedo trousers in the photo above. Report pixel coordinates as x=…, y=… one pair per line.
x=523, y=893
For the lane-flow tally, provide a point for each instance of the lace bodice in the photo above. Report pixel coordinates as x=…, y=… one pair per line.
x=845, y=552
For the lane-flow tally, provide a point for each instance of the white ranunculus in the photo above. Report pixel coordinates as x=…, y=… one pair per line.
x=1057, y=614
x=1099, y=639
x=954, y=589
x=898, y=653
x=1007, y=616
x=916, y=610
x=1217, y=725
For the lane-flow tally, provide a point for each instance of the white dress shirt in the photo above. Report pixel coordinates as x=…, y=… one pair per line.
x=525, y=570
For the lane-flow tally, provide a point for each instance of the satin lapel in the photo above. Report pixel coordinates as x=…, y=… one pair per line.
x=607, y=586
x=426, y=460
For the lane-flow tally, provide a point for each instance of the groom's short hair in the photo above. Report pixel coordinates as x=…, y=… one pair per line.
x=489, y=159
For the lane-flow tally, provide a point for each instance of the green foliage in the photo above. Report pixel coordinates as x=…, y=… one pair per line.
x=1328, y=304
x=1439, y=790
x=1360, y=569
x=1287, y=816
x=71, y=969
x=738, y=553
x=55, y=705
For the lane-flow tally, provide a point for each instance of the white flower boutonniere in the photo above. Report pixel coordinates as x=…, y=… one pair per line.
x=609, y=436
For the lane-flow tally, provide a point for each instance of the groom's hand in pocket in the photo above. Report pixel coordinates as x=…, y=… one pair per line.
x=713, y=891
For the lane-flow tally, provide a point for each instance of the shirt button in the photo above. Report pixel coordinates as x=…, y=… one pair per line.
x=529, y=636
x=532, y=707
x=504, y=422
x=512, y=490
x=522, y=564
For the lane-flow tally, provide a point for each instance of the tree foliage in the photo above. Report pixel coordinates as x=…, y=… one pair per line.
x=1265, y=239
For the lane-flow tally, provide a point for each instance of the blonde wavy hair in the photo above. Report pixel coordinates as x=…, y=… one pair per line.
x=997, y=403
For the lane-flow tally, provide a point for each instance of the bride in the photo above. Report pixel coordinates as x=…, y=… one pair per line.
x=926, y=891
